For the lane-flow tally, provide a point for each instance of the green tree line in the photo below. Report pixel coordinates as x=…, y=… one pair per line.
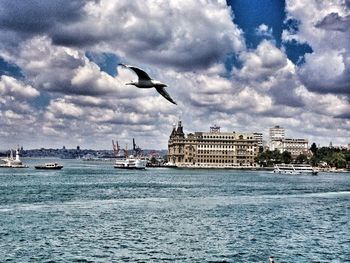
x=334, y=157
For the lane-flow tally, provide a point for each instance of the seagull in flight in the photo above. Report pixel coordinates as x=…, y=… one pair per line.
x=145, y=82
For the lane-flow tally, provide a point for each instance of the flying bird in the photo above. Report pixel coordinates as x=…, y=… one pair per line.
x=145, y=82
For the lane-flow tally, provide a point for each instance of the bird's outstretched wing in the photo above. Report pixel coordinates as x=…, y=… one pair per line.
x=165, y=94
x=139, y=72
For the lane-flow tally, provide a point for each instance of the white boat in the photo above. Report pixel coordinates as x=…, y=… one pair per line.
x=11, y=162
x=49, y=166
x=130, y=163
x=294, y=169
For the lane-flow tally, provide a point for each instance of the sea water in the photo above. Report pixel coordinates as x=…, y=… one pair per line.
x=91, y=212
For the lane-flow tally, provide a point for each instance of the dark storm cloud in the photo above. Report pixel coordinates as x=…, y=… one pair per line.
x=334, y=21
x=321, y=85
x=284, y=94
x=180, y=34
x=71, y=39
x=37, y=16
x=157, y=34
x=347, y=3
x=344, y=116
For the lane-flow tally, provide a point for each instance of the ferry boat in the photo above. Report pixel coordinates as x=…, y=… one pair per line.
x=130, y=163
x=11, y=162
x=294, y=169
x=49, y=166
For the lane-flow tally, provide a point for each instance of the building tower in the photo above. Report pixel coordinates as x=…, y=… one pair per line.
x=215, y=129
x=277, y=133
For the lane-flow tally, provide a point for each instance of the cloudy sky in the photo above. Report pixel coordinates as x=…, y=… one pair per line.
x=243, y=65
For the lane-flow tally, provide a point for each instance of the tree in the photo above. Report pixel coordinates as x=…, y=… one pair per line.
x=268, y=158
x=301, y=158
x=286, y=157
x=338, y=160
x=264, y=158
x=276, y=156
x=154, y=160
x=314, y=161
x=313, y=148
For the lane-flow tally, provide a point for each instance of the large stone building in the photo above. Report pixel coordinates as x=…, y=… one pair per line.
x=212, y=149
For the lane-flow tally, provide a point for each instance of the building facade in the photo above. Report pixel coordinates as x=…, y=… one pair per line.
x=276, y=133
x=259, y=137
x=294, y=146
x=282, y=144
x=212, y=149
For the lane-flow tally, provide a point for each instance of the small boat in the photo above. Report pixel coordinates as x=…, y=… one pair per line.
x=49, y=166
x=294, y=169
x=130, y=163
x=11, y=162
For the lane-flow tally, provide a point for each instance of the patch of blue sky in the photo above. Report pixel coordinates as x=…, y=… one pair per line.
x=250, y=14
x=10, y=69
x=232, y=60
x=107, y=62
x=42, y=101
x=14, y=71
x=296, y=51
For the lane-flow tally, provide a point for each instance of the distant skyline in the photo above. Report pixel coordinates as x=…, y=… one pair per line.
x=243, y=65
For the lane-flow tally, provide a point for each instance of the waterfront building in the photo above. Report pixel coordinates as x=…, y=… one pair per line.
x=294, y=146
x=212, y=149
x=282, y=144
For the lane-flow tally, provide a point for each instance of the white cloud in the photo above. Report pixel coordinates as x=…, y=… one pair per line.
x=264, y=31
x=61, y=69
x=183, y=44
x=326, y=104
x=10, y=86
x=321, y=26
x=183, y=34
x=62, y=108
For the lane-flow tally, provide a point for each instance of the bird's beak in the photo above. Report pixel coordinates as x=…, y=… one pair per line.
x=130, y=83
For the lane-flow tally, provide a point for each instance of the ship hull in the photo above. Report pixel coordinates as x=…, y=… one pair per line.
x=129, y=167
x=48, y=168
x=13, y=166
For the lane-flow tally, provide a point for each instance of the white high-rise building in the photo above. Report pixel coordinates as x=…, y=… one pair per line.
x=259, y=137
x=277, y=133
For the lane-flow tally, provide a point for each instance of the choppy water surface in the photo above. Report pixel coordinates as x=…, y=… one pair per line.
x=91, y=212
